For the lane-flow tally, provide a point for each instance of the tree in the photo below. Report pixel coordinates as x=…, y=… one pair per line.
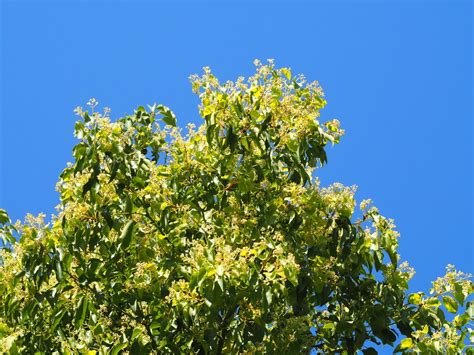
x=216, y=241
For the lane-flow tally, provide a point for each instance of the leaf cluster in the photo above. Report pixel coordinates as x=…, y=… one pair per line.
x=216, y=241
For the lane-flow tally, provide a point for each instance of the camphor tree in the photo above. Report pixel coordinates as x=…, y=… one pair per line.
x=216, y=241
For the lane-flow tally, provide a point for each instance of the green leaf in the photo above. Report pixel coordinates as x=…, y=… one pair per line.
x=231, y=139
x=90, y=184
x=81, y=312
x=415, y=298
x=369, y=351
x=458, y=293
x=388, y=336
x=450, y=304
x=286, y=72
x=14, y=350
x=4, y=217
x=220, y=282
x=237, y=108
x=269, y=296
x=210, y=133
x=168, y=116
x=116, y=348
x=6, y=237
x=59, y=270
x=244, y=142
x=57, y=318
x=406, y=343
x=154, y=328
x=126, y=235
x=135, y=334
x=404, y=327
x=433, y=302
x=329, y=326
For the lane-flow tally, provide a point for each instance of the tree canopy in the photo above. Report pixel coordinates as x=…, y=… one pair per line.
x=216, y=240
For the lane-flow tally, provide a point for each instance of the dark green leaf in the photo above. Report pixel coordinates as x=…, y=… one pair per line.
x=127, y=233
x=4, y=217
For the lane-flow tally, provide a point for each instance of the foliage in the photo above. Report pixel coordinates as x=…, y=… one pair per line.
x=216, y=241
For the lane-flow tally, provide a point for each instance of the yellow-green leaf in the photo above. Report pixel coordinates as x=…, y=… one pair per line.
x=406, y=343
x=450, y=304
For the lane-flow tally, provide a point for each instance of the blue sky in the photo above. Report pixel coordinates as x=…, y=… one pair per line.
x=398, y=76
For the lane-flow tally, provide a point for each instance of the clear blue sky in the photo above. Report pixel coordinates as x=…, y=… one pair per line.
x=398, y=76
